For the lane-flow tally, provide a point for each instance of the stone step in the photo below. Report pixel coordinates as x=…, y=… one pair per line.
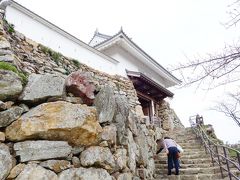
x=192, y=140
x=191, y=177
x=163, y=155
x=175, y=133
x=181, y=131
x=192, y=149
x=235, y=171
x=183, y=136
x=189, y=142
x=190, y=152
x=200, y=176
x=195, y=146
x=196, y=161
x=196, y=149
x=195, y=164
x=188, y=161
x=184, y=166
x=189, y=171
x=186, y=156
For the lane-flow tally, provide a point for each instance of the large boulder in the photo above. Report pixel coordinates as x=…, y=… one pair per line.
x=109, y=134
x=80, y=84
x=105, y=104
x=41, y=150
x=121, y=129
x=11, y=85
x=132, y=152
x=142, y=143
x=132, y=121
x=33, y=171
x=121, y=158
x=6, y=161
x=10, y=115
x=120, y=118
x=60, y=120
x=40, y=87
x=150, y=168
x=122, y=105
x=85, y=174
x=96, y=155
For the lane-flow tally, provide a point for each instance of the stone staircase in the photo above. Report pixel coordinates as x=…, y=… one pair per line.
x=195, y=164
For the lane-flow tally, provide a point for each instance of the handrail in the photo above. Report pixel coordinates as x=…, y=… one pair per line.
x=218, y=152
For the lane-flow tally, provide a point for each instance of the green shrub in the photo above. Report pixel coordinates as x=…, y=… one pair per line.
x=10, y=67
x=9, y=27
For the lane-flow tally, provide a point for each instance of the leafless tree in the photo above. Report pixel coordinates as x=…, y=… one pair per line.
x=231, y=107
x=215, y=70
x=222, y=68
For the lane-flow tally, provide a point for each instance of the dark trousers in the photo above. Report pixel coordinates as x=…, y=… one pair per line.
x=172, y=158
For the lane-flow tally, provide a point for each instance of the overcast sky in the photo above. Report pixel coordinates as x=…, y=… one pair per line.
x=168, y=30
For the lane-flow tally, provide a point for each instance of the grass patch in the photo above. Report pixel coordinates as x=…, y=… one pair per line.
x=233, y=153
x=10, y=67
x=54, y=55
x=76, y=62
x=44, y=49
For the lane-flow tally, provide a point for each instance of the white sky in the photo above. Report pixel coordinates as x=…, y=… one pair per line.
x=168, y=30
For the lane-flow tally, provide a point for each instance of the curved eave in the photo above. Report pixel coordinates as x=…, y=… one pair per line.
x=146, y=85
x=122, y=39
x=96, y=33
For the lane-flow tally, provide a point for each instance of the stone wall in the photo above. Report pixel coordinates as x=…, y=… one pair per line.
x=168, y=116
x=67, y=121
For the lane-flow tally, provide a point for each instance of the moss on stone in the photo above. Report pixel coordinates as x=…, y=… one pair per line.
x=10, y=67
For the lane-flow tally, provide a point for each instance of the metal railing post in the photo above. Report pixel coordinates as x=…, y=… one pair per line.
x=226, y=157
x=220, y=165
x=210, y=149
x=238, y=157
x=204, y=142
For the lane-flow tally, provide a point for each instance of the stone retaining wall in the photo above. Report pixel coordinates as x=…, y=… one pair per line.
x=68, y=119
x=48, y=131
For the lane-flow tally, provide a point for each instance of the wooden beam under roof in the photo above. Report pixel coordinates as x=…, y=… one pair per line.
x=147, y=87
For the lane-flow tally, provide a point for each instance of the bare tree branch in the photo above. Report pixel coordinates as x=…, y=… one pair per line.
x=231, y=108
x=219, y=69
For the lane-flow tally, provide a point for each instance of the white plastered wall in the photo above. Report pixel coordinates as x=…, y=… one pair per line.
x=40, y=33
x=131, y=63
